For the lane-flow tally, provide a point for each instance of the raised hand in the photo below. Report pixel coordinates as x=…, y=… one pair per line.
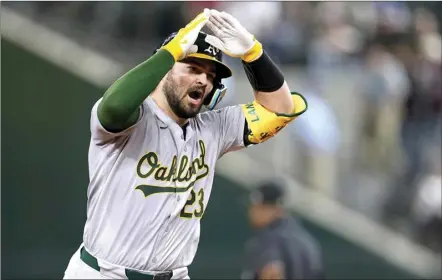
x=231, y=37
x=183, y=43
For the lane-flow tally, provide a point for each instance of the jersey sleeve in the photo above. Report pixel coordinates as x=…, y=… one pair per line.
x=231, y=128
x=102, y=136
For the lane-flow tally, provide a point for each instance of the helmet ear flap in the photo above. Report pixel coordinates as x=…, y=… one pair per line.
x=217, y=94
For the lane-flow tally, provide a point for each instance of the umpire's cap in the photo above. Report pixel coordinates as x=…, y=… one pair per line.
x=269, y=193
x=208, y=52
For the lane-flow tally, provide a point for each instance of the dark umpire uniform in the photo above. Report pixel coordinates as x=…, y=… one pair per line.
x=281, y=248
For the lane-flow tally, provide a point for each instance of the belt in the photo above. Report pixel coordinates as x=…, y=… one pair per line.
x=130, y=274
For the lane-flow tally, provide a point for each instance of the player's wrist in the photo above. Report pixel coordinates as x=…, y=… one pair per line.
x=254, y=53
x=174, y=50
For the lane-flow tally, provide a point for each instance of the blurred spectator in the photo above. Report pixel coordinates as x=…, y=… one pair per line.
x=281, y=247
x=287, y=41
x=364, y=16
x=334, y=42
x=394, y=17
x=420, y=124
x=384, y=86
x=319, y=132
x=427, y=207
x=259, y=18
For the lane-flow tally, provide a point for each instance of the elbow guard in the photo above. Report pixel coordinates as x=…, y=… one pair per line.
x=264, y=124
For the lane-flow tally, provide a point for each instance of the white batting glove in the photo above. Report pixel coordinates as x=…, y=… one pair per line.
x=183, y=43
x=231, y=37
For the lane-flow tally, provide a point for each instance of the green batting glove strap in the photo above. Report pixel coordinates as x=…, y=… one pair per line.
x=119, y=108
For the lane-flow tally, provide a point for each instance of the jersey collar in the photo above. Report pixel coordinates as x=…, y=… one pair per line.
x=160, y=114
x=167, y=121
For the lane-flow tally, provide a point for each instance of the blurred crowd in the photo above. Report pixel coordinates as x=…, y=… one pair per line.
x=396, y=45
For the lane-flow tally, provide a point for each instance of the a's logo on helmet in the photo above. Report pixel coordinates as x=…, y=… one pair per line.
x=212, y=50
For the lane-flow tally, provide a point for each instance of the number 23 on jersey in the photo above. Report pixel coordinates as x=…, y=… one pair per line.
x=198, y=210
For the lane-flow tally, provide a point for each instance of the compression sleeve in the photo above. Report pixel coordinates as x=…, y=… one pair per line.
x=120, y=107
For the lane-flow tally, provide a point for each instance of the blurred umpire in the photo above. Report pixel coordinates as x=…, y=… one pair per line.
x=281, y=248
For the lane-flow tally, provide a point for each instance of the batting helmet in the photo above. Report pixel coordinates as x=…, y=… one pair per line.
x=208, y=52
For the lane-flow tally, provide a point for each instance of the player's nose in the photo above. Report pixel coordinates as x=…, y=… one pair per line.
x=202, y=78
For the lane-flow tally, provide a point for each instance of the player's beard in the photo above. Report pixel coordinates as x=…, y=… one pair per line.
x=178, y=104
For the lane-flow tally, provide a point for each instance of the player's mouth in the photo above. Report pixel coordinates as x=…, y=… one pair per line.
x=196, y=97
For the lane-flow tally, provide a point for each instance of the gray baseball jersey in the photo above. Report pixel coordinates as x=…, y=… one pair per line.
x=150, y=185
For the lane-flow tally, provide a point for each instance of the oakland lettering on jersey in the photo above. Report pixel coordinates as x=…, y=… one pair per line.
x=183, y=170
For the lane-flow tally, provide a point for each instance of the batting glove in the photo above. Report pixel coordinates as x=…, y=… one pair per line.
x=231, y=37
x=183, y=43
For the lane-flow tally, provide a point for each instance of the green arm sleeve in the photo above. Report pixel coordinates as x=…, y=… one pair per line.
x=120, y=106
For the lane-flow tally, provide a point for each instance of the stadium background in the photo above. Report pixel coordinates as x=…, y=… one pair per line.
x=346, y=161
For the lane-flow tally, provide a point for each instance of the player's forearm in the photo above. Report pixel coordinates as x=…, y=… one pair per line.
x=278, y=101
x=274, y=106
x=119, y=108
x=270, y=88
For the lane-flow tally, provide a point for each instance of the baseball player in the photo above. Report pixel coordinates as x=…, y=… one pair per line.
x=152, y=153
